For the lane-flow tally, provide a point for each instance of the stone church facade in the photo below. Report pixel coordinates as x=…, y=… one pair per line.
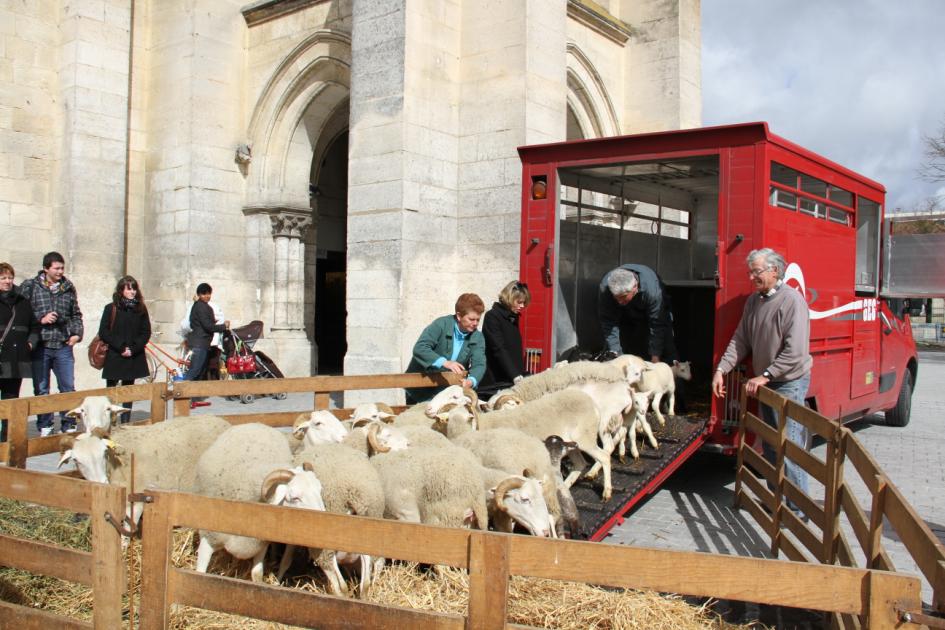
x=340, y=169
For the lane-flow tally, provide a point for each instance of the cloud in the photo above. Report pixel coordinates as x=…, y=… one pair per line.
x=859, y=82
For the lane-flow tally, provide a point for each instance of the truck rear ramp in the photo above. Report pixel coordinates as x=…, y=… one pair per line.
x=678, y=440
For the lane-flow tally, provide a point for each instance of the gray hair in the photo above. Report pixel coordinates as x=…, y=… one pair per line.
x=772, y=259
x=621, y=281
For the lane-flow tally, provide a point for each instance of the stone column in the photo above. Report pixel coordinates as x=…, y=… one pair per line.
x=288, y=230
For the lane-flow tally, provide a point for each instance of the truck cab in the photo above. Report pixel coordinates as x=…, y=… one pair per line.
x=691, y=205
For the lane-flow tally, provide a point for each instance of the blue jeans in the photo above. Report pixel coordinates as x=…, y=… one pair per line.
x=62, y=363
x=796, y=432
x=198, y=361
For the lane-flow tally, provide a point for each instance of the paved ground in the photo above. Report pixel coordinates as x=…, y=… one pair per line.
x=694, y=510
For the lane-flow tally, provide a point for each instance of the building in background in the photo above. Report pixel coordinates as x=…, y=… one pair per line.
x=340, y=169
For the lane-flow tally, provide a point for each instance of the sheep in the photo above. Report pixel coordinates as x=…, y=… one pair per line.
x=659, y=379
x=535, y=386
x=638, y=421
x=376, y=412
x=318, y=427
x=423, y=436
x=424, y=413
x=165, y=454
x=517, y=499
x=569, y=413
x=504, y=399
x=251, y=462
x=433, y=486
x=350, y=485
x=512, y=451
x=96, y=411
x=558, y=449
x=375, y=437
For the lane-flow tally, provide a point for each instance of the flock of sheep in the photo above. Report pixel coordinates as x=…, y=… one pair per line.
x=454, y=461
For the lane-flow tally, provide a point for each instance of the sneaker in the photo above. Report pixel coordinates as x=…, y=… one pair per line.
x=199, y=403
x=45, y=432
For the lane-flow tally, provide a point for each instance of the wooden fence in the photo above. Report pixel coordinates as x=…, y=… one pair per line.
x=878, y=597
x=762, y=489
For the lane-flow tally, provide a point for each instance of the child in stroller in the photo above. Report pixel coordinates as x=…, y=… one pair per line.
x=242, y=362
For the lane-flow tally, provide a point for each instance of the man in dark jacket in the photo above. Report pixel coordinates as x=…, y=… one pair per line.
x=202, y=329
x=634, y=312
x=56, y=307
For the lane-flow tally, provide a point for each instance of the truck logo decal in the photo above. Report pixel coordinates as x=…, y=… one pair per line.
x=864, y=309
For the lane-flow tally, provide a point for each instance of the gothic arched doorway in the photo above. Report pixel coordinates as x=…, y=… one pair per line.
x=329, y=195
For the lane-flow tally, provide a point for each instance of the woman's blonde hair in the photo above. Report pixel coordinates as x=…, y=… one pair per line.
x=513, y=291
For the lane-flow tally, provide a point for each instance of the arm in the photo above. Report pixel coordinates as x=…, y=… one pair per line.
x=425, y=350
x=74, y=325
x=477, y=357
x=104, y=331
x=202, y=316
x=143, y=334
x=496, y=349
x=33, y=337
x=608, y=314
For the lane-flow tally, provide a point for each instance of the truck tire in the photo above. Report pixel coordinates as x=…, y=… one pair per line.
x=898, y=416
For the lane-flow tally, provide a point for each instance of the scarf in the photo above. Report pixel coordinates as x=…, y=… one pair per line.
x=52, y=286
x=8, y=297
x=128, y=305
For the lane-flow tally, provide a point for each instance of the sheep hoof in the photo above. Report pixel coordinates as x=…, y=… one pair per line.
x=590, y=475
x=605, y=497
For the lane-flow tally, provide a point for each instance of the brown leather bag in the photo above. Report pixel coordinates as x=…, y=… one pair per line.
x=98, y=348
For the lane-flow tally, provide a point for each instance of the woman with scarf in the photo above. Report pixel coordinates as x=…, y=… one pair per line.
x=126, y=328
x=504, y=361
x=19, y=334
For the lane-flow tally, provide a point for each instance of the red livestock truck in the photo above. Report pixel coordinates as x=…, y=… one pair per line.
x=691, y=204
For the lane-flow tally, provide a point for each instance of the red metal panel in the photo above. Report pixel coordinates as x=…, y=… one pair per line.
x=539, y=229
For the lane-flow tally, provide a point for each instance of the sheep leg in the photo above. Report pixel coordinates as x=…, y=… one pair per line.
x=649, y=432
x=603, y=458
x=366, y=578
x=621, y=443
x=256, y=574
x=672, y=402
x=328, y=562
x=286, y=562
x=632, y=438
x=577, y=464
x=657, y=396
x=204, y=553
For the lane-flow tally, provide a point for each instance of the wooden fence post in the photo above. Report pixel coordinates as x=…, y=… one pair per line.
x=108, y=564
x=743, y=411
x=778, y=490
x=17, y=437
x=158, y=402
x=488, y=581
x=322, y=400
x=938, y=588
x=888, y=594
x=835, y=453
x=154, y=609
x=876, y=523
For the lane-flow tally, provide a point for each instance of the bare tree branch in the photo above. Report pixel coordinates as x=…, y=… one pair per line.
x=934, y=168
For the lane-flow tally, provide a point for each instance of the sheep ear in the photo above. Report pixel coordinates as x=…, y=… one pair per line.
x=386, y=417
x=360, y=422
x=299, y=431
x=483, y=405
x=116, y=409
x=66, y=457
x=75, y=413
x=443, y=416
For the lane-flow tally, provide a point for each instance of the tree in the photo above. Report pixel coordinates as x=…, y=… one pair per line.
x=934, y=168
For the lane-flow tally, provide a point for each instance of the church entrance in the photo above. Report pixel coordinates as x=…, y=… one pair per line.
x=329, y=194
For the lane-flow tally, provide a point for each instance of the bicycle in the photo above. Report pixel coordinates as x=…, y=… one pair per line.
x=172, y=366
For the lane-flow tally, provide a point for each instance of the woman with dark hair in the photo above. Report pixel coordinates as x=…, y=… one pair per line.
x=126, y=328
x=19, y=334
x=504, y=364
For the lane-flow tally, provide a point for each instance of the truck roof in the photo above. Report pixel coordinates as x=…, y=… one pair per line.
x=626, y=148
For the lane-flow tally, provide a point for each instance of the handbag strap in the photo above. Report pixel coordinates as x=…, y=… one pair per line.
x=6, y=331
x=111, y=320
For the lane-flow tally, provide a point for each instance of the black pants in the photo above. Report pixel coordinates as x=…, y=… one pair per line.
x=9, y=388
x=125, y=417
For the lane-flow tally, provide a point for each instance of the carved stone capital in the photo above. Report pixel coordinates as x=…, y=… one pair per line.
x=286, y=222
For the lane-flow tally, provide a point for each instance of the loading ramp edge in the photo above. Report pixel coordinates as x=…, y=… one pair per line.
x=634, y=481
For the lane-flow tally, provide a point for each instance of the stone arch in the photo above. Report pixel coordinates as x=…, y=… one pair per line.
x=303, y=94
x=589, y=102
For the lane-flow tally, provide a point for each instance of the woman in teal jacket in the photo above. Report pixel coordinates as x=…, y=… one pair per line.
x=451, y=343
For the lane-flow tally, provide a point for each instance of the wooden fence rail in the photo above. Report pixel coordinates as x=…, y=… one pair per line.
x=762, y=489
x=490, y=558
x=101, y=569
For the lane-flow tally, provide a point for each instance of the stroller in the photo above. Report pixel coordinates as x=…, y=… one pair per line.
x=242, y=362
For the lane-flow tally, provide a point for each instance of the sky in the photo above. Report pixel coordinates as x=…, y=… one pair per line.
x=861, y=82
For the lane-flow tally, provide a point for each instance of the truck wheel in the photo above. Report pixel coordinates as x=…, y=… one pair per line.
x=898, y=416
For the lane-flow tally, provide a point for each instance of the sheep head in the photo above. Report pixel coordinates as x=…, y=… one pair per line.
x=319, y=427
x=452, y=395
x=682, y=370
x=383, y=439
x=298, y=487
x=372, y=412
x=522, y=499
x=505, y=400
x=96, y=411
x=91, y=454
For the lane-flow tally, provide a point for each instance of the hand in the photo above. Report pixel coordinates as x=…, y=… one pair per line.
x=49, y=318
x=753, y=384
x=455, y=368
x=655, y=358
x=74, y=339
x=467, y=383
x=718, y=384
x=126, y=352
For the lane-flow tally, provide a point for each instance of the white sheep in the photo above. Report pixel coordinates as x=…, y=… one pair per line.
x=569, y=413
x=504, y=399
x=433, y=486
x=513, y=452
x=376, y=437
x=658, y=380
x=318, y=427
x=165, y=454
x=374, y=412
x=423, y=414
x=251, y=462
x=537, y=385
x=96, y=411
x=350, y=485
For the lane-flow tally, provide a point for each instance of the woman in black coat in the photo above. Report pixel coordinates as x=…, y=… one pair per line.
x=504, y=360
x=20, y=333
x=126, y=328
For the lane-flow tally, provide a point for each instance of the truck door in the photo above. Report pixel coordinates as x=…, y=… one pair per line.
x=865, y=369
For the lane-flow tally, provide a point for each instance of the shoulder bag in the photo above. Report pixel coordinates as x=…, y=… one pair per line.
x=98, y=348
x=6, y=331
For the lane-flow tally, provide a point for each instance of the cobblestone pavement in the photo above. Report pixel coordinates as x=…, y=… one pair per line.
x=693, y=511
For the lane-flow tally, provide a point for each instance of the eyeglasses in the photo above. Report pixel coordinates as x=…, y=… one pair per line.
x=757, y=272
